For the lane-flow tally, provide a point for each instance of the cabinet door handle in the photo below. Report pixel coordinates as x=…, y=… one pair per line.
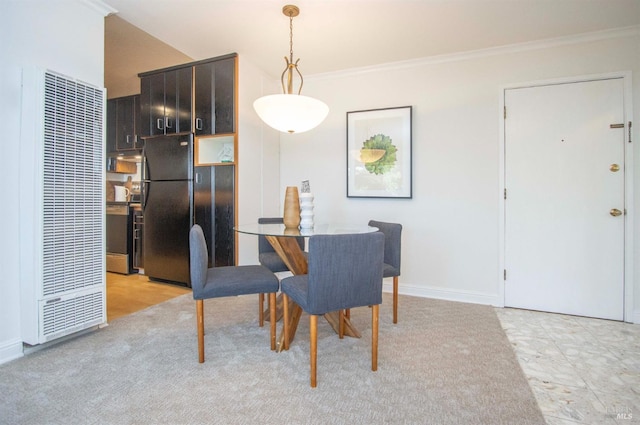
x=160, y=124
x=198, y=123
x=167, y=122
x=128, y=139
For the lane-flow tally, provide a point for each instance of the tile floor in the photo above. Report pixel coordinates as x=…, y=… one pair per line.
x=581, y=370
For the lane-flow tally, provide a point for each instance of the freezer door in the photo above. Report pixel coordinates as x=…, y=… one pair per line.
x=168, y=216
x=168, y=158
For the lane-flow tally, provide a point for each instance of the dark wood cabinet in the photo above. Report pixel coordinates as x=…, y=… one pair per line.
x=215, y=97
x=111, y=125
x=128, y=119
x=165, y=102
x=200, y=98
x=214, y=211
x=123, y=124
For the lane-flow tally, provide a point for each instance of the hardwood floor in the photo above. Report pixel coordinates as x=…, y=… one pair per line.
x=129, y=293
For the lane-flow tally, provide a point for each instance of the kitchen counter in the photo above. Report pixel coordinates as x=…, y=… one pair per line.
x=137, y=206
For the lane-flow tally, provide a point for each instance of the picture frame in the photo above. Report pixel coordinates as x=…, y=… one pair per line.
x=379, y=153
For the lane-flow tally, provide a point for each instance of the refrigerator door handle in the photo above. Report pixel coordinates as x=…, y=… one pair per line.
x=144, y=171
x=144, y=194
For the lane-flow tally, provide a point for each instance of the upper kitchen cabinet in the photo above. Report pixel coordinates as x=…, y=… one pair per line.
x=215, y=96
x=165, y=101
x=111, y=125
x=123, y=124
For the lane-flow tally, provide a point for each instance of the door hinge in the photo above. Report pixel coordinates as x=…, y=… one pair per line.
x=504, y=112
x=505, y=274
x=505, y=193
x=629, y=131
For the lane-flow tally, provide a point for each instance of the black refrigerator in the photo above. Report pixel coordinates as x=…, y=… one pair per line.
x=167, y=203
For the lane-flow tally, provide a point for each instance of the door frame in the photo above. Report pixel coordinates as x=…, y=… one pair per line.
x=629, y=282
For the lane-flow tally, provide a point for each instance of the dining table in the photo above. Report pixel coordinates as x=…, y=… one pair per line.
x=284, y=241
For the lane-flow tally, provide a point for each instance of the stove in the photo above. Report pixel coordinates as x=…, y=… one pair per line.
x=120, y=237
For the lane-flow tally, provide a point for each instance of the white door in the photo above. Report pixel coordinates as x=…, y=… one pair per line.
x=564, y=246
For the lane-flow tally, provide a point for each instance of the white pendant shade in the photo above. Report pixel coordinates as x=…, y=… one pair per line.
x=291, y=113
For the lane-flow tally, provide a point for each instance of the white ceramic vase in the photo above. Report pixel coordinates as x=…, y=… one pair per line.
x=306, y=210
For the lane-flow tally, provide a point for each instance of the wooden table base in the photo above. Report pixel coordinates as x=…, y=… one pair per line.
x=296, y=312
x=349, y=329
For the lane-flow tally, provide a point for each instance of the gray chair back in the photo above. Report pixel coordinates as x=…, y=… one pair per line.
x=199, y=261
x=392, y=242
x=345, y=271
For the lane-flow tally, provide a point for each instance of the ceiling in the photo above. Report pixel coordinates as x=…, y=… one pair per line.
x=128, y=51
x=331, y=35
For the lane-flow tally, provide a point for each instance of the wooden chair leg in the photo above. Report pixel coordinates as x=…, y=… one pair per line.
x=285, y=311
x=313, y=328
x=347, y=313
x=261, y=310
x=272, y=318
x=200, y=326
x=374, y=337
x=341, y=324
x=395, y=299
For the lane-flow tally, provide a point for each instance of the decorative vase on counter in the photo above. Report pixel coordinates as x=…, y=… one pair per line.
x=306, y=210
x=291, y=216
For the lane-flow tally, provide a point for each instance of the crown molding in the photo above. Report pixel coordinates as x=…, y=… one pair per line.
x=480, y=53
x=100, y=7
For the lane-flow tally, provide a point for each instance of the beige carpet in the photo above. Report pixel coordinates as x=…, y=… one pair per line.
x=443, y=363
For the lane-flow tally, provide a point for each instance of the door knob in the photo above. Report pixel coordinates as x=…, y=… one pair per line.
x=615, y=212
x=614, y=168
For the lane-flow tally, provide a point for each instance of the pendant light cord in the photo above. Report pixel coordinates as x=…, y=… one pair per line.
x=291, y=37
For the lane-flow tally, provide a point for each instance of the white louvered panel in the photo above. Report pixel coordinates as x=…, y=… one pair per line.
x=61, y=316
x=62, y=259
x=72, y=186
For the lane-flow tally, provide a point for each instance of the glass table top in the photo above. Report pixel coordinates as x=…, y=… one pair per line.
x=318, y=229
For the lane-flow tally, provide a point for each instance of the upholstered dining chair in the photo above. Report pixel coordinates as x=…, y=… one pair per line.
x=269, y=258
x=392, y=244
x=345, y=271
x=226, y=281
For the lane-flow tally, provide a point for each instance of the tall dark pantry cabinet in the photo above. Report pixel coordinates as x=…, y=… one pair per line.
x=188, y=117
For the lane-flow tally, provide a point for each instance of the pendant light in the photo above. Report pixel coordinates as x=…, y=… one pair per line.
x=290, y=112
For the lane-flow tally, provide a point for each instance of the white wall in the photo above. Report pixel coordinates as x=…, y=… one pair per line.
x=258, y=159
x=451, y=226
x=65, y=36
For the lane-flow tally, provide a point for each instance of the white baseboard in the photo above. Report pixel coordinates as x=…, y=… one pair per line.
x=444, y=294
x=460, y=296
x=11, y=350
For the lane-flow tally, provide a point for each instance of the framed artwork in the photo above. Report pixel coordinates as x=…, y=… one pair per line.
x=379, y=153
